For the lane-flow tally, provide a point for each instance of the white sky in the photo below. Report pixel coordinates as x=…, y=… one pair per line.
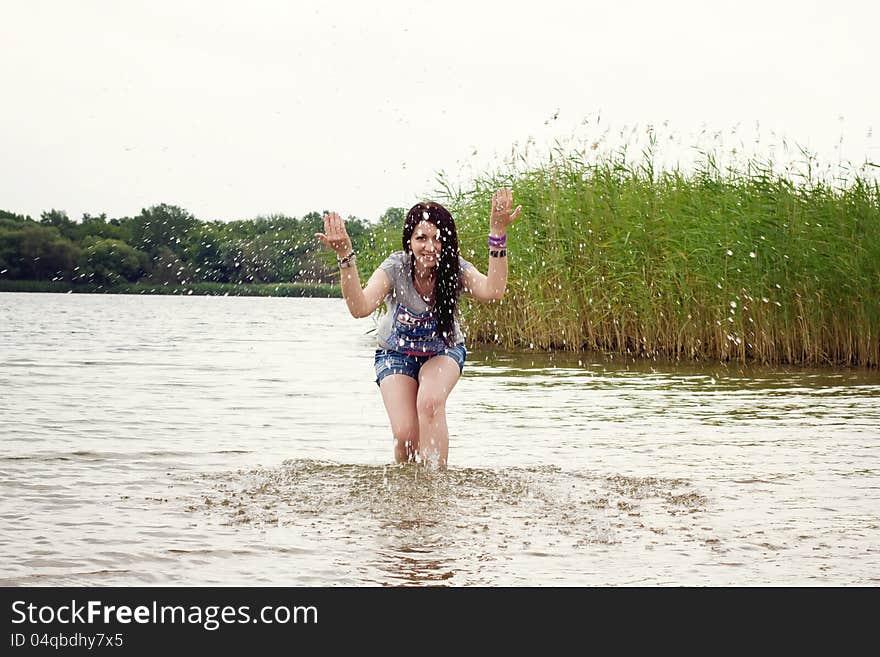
x=235, y=109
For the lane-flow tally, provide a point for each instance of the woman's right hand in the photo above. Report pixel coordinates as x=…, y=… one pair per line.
x=335, y=236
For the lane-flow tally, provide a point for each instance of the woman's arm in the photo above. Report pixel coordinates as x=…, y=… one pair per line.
x=360, y=302
x=492, y=287
x=363, y=302
x=479, y=287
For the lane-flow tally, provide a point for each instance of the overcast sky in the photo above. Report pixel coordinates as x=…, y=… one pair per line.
x=236, y=109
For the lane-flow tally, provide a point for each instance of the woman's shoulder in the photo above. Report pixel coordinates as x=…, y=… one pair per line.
x=397, y=257
x=396, y=262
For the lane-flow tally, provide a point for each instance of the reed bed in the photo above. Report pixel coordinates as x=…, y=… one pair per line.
x=740, y=264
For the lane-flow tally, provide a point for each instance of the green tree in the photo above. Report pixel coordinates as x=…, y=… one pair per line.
x=393, y=217
x=108, y=261
x=36, y=252
x=162, y=225
x=58, y=219
x=203, y=253
x=16, y=218
x=89, y=219
x=97, y=226
x=168, y=268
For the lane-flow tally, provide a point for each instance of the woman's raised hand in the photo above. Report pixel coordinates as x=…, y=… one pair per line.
x=335, y=236
x=500, y=216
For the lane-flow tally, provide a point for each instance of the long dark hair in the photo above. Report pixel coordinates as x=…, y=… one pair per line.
x=447, y=285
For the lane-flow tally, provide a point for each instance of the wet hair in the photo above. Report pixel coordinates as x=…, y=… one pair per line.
x=447, y=285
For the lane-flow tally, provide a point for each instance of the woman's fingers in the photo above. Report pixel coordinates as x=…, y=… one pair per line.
x=498, y=202
x=334, y=226
x=502, y=198
x=334, y=236
x=328, y=239
x=502, y=202
x=331, y=226
x=331, y=235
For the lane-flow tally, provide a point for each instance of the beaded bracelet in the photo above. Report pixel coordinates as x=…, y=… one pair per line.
x=498, y=254
x=345, y=261
x=497, y=242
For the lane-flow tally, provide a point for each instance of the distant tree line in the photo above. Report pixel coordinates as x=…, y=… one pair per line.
x=166, y=244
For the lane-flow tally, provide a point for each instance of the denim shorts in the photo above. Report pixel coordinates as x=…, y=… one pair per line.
x=389, y=362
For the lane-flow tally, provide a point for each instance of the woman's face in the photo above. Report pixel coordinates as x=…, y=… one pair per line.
x=425, y=244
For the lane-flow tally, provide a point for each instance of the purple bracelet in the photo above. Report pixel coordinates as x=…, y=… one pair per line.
x=497, y=242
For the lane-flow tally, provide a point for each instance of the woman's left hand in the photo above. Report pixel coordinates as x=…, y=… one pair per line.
x=501, y=217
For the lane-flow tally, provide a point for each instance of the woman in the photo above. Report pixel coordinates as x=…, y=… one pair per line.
x=421, y=349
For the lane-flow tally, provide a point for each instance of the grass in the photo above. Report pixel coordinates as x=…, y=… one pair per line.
x=741, y=264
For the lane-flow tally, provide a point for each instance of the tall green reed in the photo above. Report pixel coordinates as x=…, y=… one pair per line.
x=741, y=263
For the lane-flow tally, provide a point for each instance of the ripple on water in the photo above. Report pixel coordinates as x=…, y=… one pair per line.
x=408, y=524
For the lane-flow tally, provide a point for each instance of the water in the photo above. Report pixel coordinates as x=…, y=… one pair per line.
x=202, y=440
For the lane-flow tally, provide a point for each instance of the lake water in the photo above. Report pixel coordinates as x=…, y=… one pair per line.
x=148, y=440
